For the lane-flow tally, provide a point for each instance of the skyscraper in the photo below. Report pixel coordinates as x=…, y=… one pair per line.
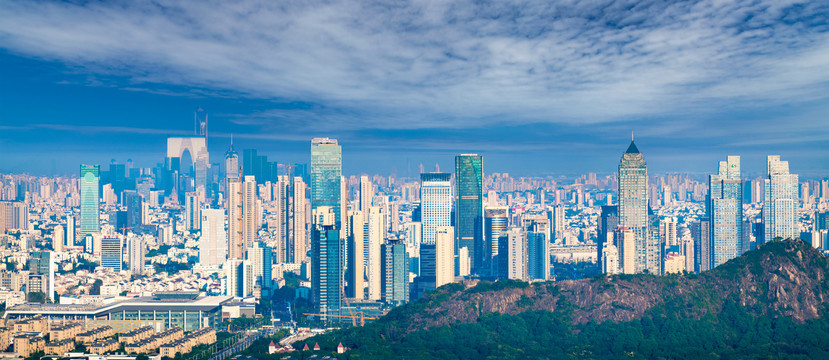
x=633, y=204
x=495, y=223
x=90, y=178
x=250, y=212
x=444, y=255
x=374, y=236
x=725, y=211
x=112, y=253
x=780, y=201
x=260, y=257
x=137, y=254
x=298, y=243
x=192, y=211
x=232, y=163
x=213, y=240
x=435, y=204
x=326, y=269
x=395, y=276
x=557, y=222
x=355, y=275
x=326, y=173
x=512, y=255
x=235, y=225
x=469, y=207
x=366, y=193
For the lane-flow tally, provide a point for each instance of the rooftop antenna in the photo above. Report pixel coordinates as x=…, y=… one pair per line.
x=631, y=135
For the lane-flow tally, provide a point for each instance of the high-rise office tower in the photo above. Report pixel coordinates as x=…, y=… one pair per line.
x=235, y=220
x=112, y=253
x=395, y=277
x=608, y=222
x=326, y=269
x=512, y=255
x=633, y=203
x=444, y=255
x=366, y=193
x=469, y=208
x=192, y=211
x=299, y=228
x=780, y=201
x=250, y=212
x=282, y=203
x=495, y=223
x=137, y=254
x=435, y=204
x=260, y=257
x=232, y=163
x=90, y=178
x=667, y=231
x=355, y=274
x=213, y=240
x=725, y=211
x=13, y=215
x=701, y=235
x=326, y=176
x=135, y=209
x=538, y=256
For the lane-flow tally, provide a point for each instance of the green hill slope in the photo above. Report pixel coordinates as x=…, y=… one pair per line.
x=768, y=303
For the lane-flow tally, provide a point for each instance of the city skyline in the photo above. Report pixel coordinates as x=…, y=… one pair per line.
x=553, y=90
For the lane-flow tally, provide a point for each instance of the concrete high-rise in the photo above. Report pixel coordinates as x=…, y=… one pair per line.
x=192, y=211
x=780, y=201
x=232, y=163
x=395, y=272
x=374, y=236
x=469, y=208
x=556, y=214
x=435, y=204
x=366, y=193
x=235, y=220
x=633, y=204
x=512, y=255
x=626, y=241
x=326, y=269
x=251, y=219
x=355, y=275
x=90, y=197
x=444, y=255
x=725, y=211
x=260, y=256
x=298, y=242
x=213, y=240
x=326, y=176
x=137, y=254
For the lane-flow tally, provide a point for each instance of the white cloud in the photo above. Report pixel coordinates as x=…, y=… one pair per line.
x=433, y=64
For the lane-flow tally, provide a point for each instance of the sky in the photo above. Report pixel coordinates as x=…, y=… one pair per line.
x=537, y=87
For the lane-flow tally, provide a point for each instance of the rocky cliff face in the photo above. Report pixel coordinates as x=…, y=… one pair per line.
x=787, y=278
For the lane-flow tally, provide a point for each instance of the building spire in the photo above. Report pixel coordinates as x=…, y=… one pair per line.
x=631, y=136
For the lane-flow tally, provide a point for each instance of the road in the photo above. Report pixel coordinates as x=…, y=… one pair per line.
x=242, y=344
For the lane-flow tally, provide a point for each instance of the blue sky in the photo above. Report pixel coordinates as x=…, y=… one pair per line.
x=537, y=87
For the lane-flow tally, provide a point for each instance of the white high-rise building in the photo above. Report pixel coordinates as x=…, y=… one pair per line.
x=236, y=245
x=435, y=204
x=213, y=241
x=444, y=255
x=780, y=202
x=355, y=277
x=70, y=230
x=626, y=239
x=375, y=236
x=251, y=219
x=366, y=193
x=192, y=211
x=240, y=280
x=137, y=254
x=300, y=240
x=610, y=257
x=58, y=238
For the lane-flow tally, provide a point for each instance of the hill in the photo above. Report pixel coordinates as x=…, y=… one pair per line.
x=769, y=302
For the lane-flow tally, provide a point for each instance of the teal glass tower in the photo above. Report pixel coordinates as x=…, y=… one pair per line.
x=326, y=267
x=469, y=208
x=326, y=171
x=90, y=179
x=725, y=209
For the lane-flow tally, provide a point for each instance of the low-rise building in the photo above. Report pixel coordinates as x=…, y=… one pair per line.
x=91, y=336
x=60, y=347
x=34, y=324
x=103, y=346
x=65, y=331
x=137, y=335
x=154, y=342
x=28, y=344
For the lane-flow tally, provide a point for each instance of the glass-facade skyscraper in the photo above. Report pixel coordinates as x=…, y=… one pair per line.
x=326, y=267
x=469, y=212
x=633, y=201
x=326, y=172
x=435, y=203
x=725, y=209
x=780, y=203
x=90, y=195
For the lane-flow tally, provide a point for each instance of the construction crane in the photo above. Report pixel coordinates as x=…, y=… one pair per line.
x=359, y=315
x=124, y=229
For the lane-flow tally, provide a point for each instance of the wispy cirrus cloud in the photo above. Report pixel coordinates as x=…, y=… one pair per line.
x=427, y=64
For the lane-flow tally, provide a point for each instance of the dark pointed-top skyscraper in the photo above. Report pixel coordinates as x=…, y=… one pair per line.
x=633, y=202
x=231, y=162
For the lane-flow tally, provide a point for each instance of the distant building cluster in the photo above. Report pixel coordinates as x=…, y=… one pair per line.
x=362, y=244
